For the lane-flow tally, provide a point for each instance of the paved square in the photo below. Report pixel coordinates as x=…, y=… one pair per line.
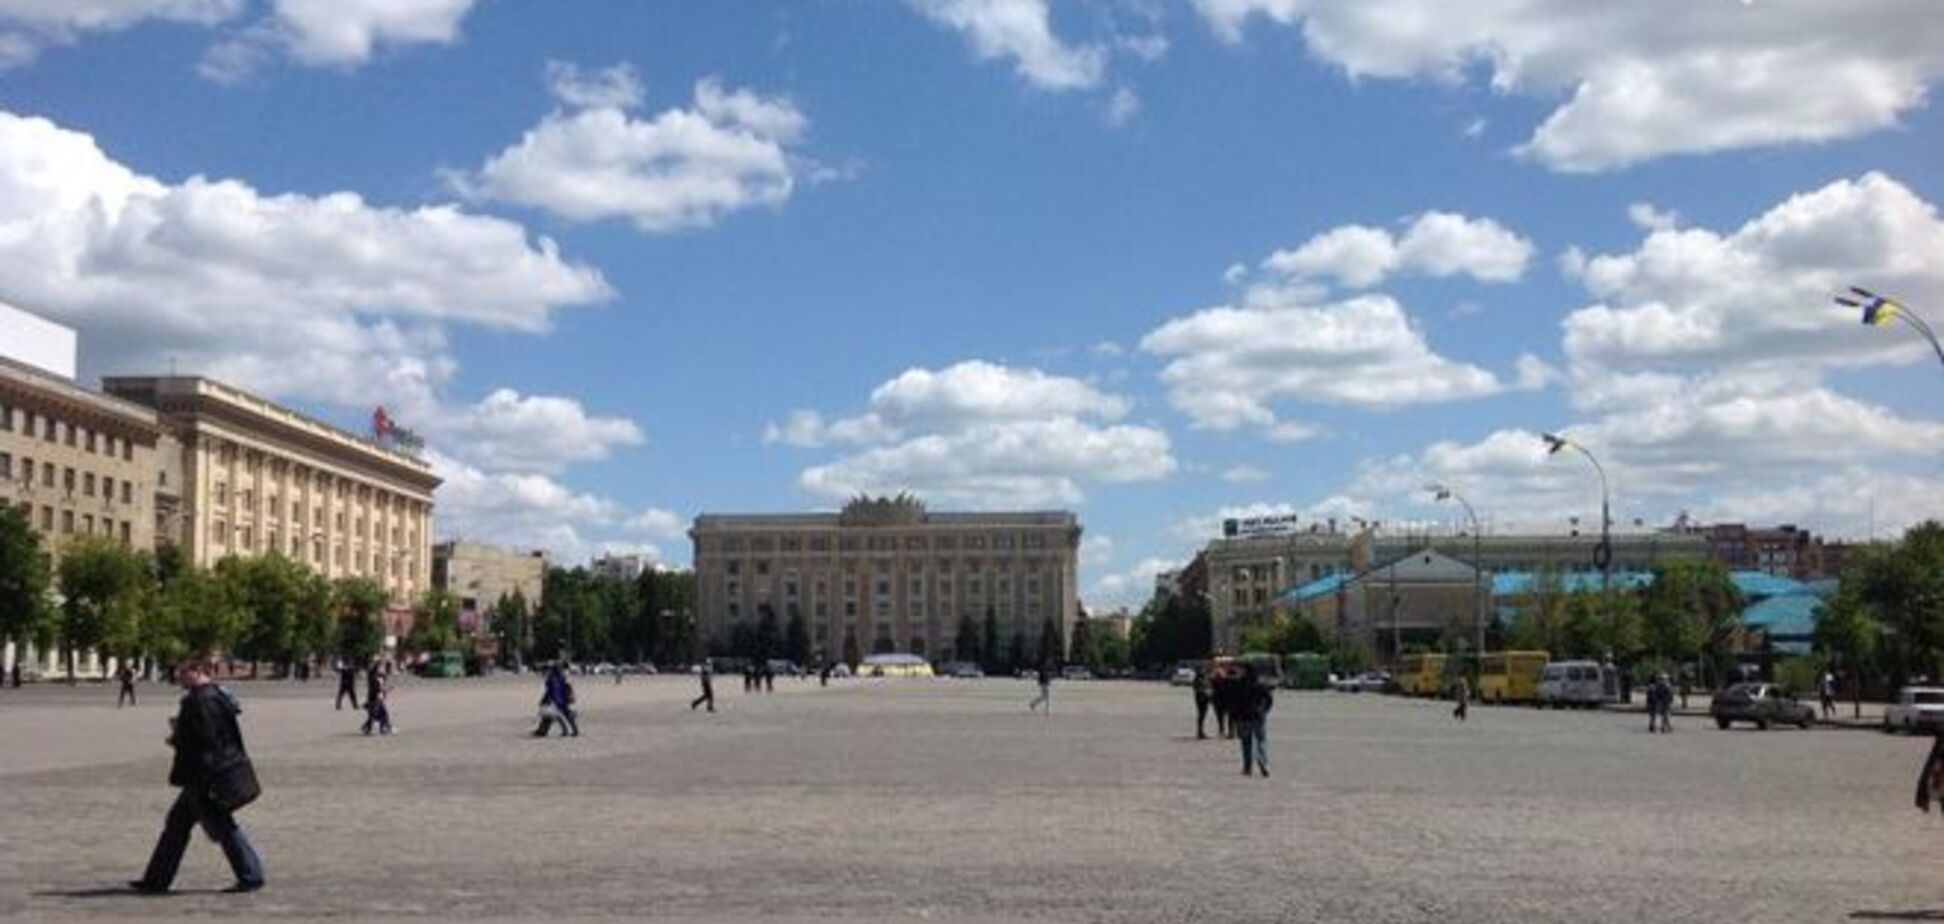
x=947, y=801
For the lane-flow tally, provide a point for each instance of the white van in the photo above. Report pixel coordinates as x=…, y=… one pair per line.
x=1578, y=685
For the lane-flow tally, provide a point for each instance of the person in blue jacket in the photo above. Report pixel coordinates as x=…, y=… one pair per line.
x=558, y=695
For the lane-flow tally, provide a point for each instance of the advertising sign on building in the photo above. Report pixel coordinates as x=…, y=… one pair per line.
x=1258, y=526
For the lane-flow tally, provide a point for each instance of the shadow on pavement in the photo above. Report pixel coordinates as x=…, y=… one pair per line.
x=123, y=892
x=1934, y=914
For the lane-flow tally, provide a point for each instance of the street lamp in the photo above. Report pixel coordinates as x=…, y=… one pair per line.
x=1602, y=553
x=1879, y=310
x=1441, y=492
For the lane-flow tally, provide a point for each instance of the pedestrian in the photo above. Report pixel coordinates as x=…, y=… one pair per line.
x=1930, y=779
x=1219, y=681
x=557, y=704
x=1686, y=683
x=749, y=678
x=1044, y=677
x=212, y=768
x=1201, y=703
x=769, y=677
x=127, y=677
x=377, y=700
x=1828, y=690
x=1461, y=693
x=1249, y=702
x=347, y=684
x=823, y=676
x=708, y=688
x=1660, y=703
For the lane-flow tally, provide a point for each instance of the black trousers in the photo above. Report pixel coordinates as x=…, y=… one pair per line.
x=127, y=693
x=708, y=696
x=569, y=724
x=1201, y=716
x=345, y=690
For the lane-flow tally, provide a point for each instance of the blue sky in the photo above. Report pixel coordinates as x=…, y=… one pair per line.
x=1153, y=260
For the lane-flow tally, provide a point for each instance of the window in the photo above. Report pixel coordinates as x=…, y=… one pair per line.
x=47, y=518
x=249, y=499
x=87, y=484
x=850, y=608
x=87, y=523
x=222, y=492
x=67, y=480
x=128, y=451
x=6, y=466
x=6, y=418
x=108, y=445
x=91, y=441
x=71, y=441
x=67, y=521
x=762, y=568
x=47, y=474
x=218, y=532
x=883, y=587
x=126, y=536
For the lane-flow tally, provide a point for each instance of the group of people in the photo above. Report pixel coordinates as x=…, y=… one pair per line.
x=1234, y=691
x=378, y=693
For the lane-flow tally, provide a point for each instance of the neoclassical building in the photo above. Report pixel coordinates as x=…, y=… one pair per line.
x=240, y=475
x=887, y=575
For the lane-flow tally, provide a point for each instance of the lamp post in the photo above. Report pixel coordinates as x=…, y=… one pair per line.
x=1879, y=310
x=1602, y=553
x=1442, y=492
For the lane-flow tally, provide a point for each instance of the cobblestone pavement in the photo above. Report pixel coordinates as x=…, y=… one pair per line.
x=948, y=801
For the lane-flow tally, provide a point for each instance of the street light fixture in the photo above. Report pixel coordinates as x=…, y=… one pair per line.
x=1602, y=553
x=1879, y=310
x=1441, y=492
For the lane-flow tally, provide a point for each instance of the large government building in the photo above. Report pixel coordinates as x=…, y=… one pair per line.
x=887, y=575
x=242, y=476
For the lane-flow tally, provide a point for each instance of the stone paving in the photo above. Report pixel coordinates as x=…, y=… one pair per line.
x=947, y=801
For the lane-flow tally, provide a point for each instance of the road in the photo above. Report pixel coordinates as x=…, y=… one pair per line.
x=947, y=801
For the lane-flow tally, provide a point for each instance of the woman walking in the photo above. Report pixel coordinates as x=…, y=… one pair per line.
x=1249, y=703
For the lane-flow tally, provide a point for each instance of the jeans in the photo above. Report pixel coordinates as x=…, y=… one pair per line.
x=1254, y=735
x=569, y=723
x=189, y=810
x=377, y=713
x=1045, y=697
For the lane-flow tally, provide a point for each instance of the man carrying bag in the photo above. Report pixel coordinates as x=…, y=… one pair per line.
x=214, y=772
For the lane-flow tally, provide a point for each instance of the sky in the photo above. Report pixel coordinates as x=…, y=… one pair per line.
x=1159, y=262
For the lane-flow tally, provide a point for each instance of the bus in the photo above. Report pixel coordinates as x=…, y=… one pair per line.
x=1511, y=676
x=1306, y=671
x=1421, y=674
x=1268, y=667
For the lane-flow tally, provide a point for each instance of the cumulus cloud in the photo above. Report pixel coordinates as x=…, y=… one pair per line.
x=1227, y=365
x=982, y=435
x=519, y=510
x=333, y=33
x=1244, y=474
x=683, y=168
x=1022, y=30
x=27, y=26
x=1131, y=588
x=658, y=523
x=531, y=433
x=1438, y=244
x=1636, y=81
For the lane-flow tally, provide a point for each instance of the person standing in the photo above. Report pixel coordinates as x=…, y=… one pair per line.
x=1044, y=677
x=1461, y=693
x=1930, y=778
x=1827, y=688
x=127, y=677
x=1249, y=703
x=1219, y=683
x=1660, y=705
x=377, y=701
x=347, y=684
x=1201, y=704
x=213, y=770
x=708, y=688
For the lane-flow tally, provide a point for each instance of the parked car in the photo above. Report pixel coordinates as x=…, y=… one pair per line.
x=784, y=668
x=1077, y=672
x=1577, y=685
x=964, y=670
x=1764, y=704
x=1184, y=676
x=1917, y=709
x=1366, y=682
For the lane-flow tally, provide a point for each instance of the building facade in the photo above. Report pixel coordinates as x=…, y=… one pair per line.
x=243, y=476
x=479, y=575
x=1785, y=550
x=1245, y=574
x=888, y=575
x=77, y=463
x=623, y=567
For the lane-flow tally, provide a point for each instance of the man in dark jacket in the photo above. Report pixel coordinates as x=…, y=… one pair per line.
x=208, y=747
x=1249, y=702
x=1930, y=778
x=557, y=695
x=1201, y=703
x=347, y=684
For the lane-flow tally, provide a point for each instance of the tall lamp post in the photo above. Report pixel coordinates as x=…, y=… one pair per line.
x=1442, y=492
x=1879, y=310
x=1602, y=553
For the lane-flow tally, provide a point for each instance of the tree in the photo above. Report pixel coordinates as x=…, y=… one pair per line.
x=435, y=622
x=265, y=587
x=1016, y=652
x=23, y=579
x=966, y=646
x=101, y=585
x=1050, y=642
x=512, y=623
x=360, y=605
x=315, y=627
x=989, y=644
x=768, y=634
x=1286, y=633
x=1901, y=588
x=198, y=618
x=1079, y=646
x=796, y=638
x=1849, y=632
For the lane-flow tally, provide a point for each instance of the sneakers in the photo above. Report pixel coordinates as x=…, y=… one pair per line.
x=144, y=887
x=242, y=888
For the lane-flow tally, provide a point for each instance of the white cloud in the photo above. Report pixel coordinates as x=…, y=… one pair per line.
x=1438, y=244
x=982, y=435
x=1227, y=365
x=1651, y=218
x=1122, y=107
x=334, y=33
x=325, y=298
x=662, y=524
x=507, y=431
x=1021, y=30
x=1131, y=588
x=1244, y=474
x=616, y=87
x=1644, y=79
x=27, y=26
x=1096, y=549
x=517, y=510
x=729, y=151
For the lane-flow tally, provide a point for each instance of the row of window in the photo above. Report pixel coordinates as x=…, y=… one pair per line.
x=880, y=543
x=882, y=610
x=881, y=588
x=762, y=567
x=86, y=524
x=243, y=538
x=54, y=430
x=365, y=529
x=70, y=480
x=296, y=474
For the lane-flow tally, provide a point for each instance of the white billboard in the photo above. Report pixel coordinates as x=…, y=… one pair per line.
x=36, y=341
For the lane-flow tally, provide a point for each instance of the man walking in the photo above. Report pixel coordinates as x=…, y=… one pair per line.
x=1660, y=703
x=557, y=703
x=127, y=677
x=1219, y=683
x=708, y=688
x=1461, y=692
x=347, y=684
x=1044, y=677
x=1828, y=690
x=213, y=771
x=1201, y=704
x=377, y=701
x=1249, y=703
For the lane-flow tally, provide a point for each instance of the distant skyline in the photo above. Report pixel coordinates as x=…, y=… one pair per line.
x=1155, y=261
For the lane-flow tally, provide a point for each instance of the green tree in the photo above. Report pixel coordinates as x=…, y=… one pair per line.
x=266, y=588
x=23, y=579
x=101, y=586
x=360, y=605
x=796, y=637
x=315, y=626
x=1050, y=642
x=1901, y=587
x=197, y=618
x=1079, y=647
x=965, y=647
x=989, y=644
x=512, y=623
x=435, y=622
x=1849, y=632
x=1285, y=633
x=1016, y=652
x=768, y=633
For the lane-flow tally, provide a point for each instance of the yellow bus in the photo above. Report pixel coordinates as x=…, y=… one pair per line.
x=1421, y=674
x=1511, y=676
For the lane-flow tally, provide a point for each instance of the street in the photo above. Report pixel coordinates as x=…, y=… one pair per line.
x=948, y=801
